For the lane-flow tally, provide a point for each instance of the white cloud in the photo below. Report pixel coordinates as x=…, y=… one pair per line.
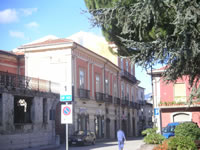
x=17, y=34
x=28, y=11
x=8, y=16
x=32, y=25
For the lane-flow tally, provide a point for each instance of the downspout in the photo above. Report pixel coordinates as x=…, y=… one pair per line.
x=152, y=96
x=118, y=95
x=104, y=88
x=73, y=86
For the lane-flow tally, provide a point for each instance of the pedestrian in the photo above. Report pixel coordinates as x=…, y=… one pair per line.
x=121, y=138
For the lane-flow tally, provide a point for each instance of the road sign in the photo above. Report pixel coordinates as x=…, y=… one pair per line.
x=66, y=93
x=66, y=114
x=156, y=111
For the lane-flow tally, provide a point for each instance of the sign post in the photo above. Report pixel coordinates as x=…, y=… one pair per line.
x=66, y=109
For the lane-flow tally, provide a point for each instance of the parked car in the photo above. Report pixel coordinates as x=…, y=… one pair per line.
x=82, y=138
x=168, y=131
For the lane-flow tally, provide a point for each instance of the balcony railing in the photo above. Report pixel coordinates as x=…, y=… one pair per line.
x=125, y=101
x=108, y=98
x=116, y=100
x=99, y=97
x=132, y=104
x=84, y=94
x=13, y=81
x=128, y=76
x=137, y=105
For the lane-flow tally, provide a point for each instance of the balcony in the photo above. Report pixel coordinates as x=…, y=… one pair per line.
x=137, y=105
x=116, y=100
x=15, y=82
x=125, y=101
x=99, y=97
x=128, y=76
x=179, y=104
x=84, y=94
x=108, y=98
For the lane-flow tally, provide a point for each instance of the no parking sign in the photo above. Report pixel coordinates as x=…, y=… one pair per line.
x=66, y=114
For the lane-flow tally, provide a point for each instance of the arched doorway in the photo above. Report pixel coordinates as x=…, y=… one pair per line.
x=179, y=117
x=133, y=123
x=99, y=126
x=124, y=126
x=107, y=128
x=82, y=122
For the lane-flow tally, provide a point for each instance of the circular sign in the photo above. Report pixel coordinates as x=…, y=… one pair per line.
x=66, y=110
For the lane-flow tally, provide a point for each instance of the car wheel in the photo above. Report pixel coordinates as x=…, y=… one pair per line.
x=93, y=142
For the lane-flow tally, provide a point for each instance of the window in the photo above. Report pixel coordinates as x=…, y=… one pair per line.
x=107, y=86
x=141, y=95
x=122, y=64
x=132, y=93
x=82, y=79
x=122, y=90
x=1, y=109
x=127, y=91
x=22, y=109
x=127, y=65
x=45, y=110
x=180, y=92
x=98, y=83
x=132, y=69
x=115, y=89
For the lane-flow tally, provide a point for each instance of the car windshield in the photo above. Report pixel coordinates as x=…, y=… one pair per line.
x=169, y=129
x=79, y=133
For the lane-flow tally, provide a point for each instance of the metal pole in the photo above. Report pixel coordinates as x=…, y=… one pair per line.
x=66, y=136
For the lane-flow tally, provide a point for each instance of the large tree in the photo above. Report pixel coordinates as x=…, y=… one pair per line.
x=154, y=31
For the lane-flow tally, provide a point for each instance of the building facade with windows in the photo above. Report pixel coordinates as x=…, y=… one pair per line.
x=105, y=93
x=171, y=101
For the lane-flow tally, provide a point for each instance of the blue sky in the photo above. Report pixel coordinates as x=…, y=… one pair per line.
x=22, y=21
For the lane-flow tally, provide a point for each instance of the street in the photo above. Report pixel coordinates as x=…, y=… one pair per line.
x=132, y=144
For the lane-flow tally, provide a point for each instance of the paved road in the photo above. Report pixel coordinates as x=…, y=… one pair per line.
x=132, y=144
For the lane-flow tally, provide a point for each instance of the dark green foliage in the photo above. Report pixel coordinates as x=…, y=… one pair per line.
x=188, y=129
x=152, y=137
x=181, y=143
x=154, y=31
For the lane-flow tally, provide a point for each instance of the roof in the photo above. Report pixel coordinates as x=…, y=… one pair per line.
x=60, y=41
x=7, y=53
x=49, y=42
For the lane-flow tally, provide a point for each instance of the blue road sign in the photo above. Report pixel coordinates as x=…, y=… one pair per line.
x=156, y=111
x=65, y=98
x=66, y=114
x=66, y=110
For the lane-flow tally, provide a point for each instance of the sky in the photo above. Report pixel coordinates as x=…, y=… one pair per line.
x=22, y=21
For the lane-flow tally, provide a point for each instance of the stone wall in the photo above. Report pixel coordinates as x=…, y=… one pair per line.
x=23, y=135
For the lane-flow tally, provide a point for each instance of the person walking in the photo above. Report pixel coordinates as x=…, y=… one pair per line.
x=121, y=138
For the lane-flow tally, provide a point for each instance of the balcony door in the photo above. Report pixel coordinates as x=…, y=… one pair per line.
x=81, y=78
x=98, y=85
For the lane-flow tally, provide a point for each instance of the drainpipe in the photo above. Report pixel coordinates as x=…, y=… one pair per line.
x=152, y=96
x=104, y=88
x=73, y=87
x=120, y=101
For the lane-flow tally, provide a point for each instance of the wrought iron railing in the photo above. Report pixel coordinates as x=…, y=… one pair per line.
x=83, y=93
x=99, y=97
x=116, y=100
x=14, y=81
x=128, y=76
x=108, y=98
